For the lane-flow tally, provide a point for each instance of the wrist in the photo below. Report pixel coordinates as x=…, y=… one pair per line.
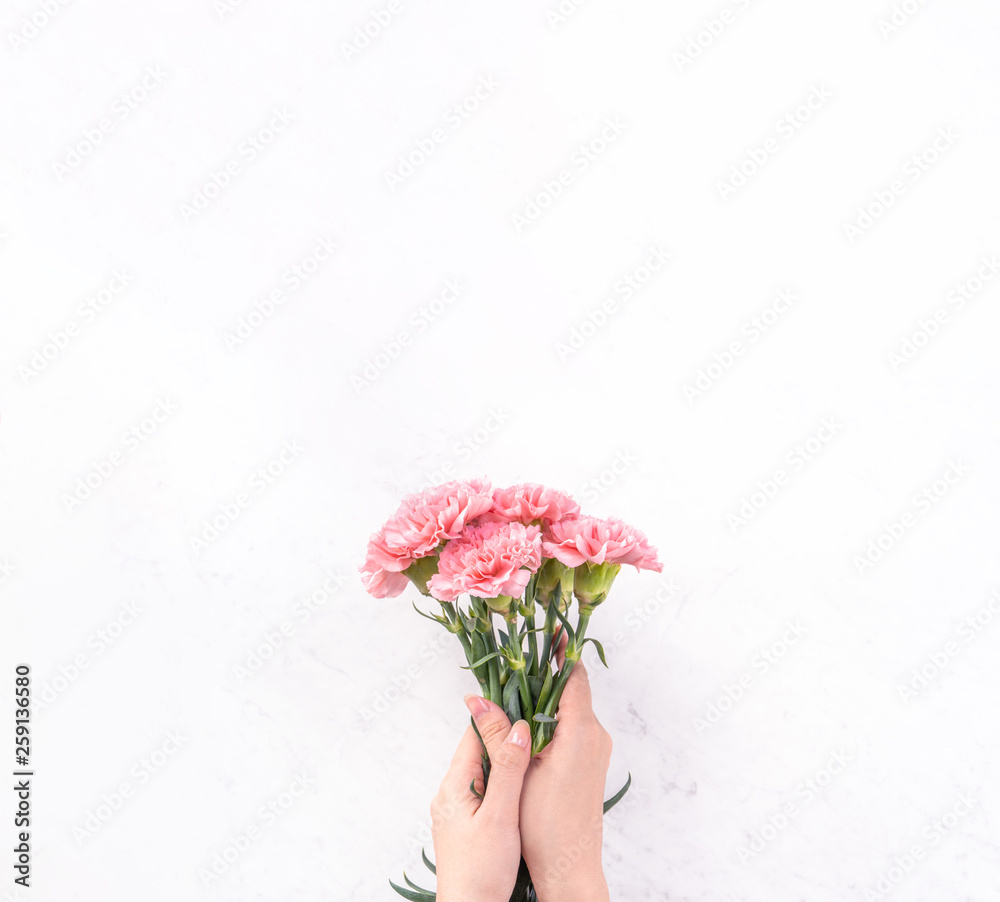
x=578, y=886
x=571, y=893
x=474, y=895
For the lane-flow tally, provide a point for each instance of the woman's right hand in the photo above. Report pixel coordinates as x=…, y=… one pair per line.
x=562, y=801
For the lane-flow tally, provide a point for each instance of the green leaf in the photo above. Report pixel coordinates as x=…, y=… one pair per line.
x=600, y=649
x=410, y=883
x=503, y=636
x=546, y=690
x=617, y=797
x=544, y=718
x=477, y=646
x=428, y=862
x=565, y=622
x=475, y=792
x=412, y=895
x=536, y=683
x=441, y=620
x=475, y=664
x=513, y=707
x=508, y=690
x=474, y=727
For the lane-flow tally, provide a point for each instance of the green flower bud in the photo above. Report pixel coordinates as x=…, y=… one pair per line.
x=593, y=582
x=555, y=580
x=499, y=605
x=420, y=571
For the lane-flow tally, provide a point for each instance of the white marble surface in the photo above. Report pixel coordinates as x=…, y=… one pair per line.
x=136, y=637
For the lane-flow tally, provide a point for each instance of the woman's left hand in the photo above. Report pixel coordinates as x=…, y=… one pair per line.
x=477, y=844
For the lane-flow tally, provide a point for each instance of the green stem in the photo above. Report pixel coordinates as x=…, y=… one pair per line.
x=458, y=628
x=573, y=651
x=495, y=689
x=550, y=628
x=529, y=622
x=514, y=644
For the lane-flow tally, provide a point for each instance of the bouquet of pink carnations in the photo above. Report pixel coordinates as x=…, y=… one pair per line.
x=518, y=553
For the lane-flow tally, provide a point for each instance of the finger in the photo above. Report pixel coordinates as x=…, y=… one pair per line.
x=491, y=721
x=508, y=764
x=576, y=699
x=562, y=638
x=509, y=751
x=466, y=765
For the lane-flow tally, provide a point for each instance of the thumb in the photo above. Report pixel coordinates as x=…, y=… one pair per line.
x=508, y=763
x=509, y=749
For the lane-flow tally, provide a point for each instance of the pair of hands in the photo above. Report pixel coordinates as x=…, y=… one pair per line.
x=548, y=809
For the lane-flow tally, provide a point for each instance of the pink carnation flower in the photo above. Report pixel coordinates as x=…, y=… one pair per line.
x=576, y=540
x=488, y=561
x=422, y=522
x=381, y=572
x=382, y=583
x=529, y=501
x=426, y=519
x=380, y=554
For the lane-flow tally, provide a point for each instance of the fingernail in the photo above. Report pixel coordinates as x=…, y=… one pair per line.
x=476, y=704
x=519, y=734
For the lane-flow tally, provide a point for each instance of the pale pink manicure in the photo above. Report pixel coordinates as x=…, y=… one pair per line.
x=477, y=705
x=519, y=734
